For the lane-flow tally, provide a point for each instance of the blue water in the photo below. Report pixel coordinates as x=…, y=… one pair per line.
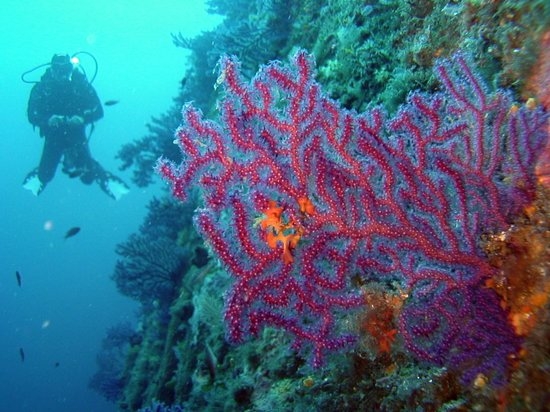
x=67, y=299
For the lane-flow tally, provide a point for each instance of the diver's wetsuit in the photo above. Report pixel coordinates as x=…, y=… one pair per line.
x=74, y=97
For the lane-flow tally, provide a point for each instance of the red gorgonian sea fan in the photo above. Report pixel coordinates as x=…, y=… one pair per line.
x=301, y=198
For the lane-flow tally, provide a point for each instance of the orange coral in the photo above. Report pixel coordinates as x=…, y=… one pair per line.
x=538, y=85
x=542, y=169
x=279, y=231
x=378, y=321
x=539, y=81
x=523, y=254
x=272, y=217
x=306, y=206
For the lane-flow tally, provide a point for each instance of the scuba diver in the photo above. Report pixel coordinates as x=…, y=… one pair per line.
x=61, y=105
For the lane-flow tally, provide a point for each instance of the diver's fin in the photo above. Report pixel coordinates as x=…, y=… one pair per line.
x=32, y=182
x=114, y=186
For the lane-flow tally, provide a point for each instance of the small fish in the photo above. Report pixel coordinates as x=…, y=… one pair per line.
x=22, y=354
x=56, y=364
x=71, y=232
x=110, y=102
x=18, y=277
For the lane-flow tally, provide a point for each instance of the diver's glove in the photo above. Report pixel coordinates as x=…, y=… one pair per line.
x=75, y=120
x=56, y=120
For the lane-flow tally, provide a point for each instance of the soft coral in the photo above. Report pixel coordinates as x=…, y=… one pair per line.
x=280, y=231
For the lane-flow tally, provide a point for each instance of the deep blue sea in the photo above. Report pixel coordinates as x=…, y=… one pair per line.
x=66, y=300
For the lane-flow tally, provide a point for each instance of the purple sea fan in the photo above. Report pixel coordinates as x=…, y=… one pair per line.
x=463, y=328
x=302, y=197
x=507, y=137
